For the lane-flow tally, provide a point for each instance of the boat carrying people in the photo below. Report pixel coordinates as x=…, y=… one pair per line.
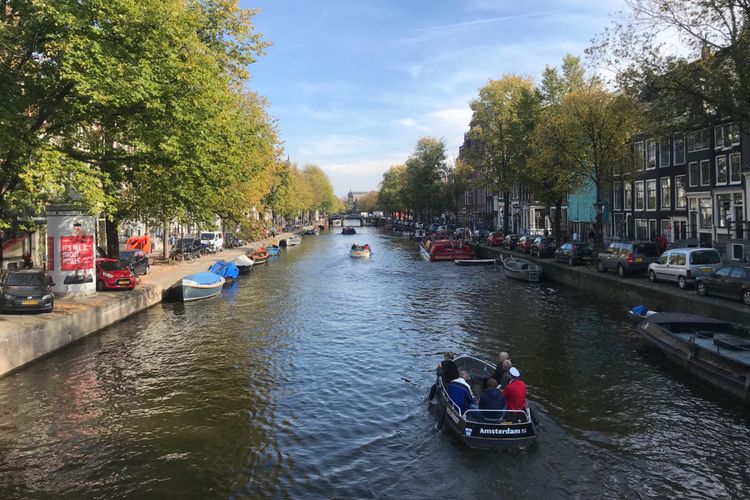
x=475, y=426
x=360, y=250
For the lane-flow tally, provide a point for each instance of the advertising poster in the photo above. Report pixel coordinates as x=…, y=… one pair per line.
x=76, y=253
x=50, y=253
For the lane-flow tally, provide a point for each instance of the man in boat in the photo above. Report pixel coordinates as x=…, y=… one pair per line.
x=499, y=368
x=460, y=393
x=515, y=393
x=503, y=377
x=492, y=399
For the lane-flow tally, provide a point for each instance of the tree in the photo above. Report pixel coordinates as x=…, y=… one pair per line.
x=324, y=199
x=391, y=196
x=369, y=202
x=707, y=72
x=503, y=119
x=426, y=169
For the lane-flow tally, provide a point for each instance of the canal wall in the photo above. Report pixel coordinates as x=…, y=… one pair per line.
x=25, y=338
x=630, y=291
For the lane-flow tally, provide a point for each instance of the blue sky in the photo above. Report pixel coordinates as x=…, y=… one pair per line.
x=355, y=84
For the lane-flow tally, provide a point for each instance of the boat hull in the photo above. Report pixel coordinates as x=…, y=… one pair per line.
x=195, y=287
x=522, y=269
x=476, y=262
x=359, y=253
x=698, y=354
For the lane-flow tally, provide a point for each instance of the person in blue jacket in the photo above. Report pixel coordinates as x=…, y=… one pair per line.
x=492, y=399
x=460, y=392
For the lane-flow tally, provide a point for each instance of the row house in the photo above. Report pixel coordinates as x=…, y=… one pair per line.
x=691, y=187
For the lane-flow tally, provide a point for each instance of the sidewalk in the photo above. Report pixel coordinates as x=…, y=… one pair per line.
x=27, y=337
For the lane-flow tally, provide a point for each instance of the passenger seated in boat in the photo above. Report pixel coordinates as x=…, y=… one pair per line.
x=447, y=369
x=515, y=394
x=502, y=376
x=492, y=399
x=460, y=393
x=499, y=368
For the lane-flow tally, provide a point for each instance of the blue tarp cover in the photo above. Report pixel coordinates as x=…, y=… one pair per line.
x=226, y=269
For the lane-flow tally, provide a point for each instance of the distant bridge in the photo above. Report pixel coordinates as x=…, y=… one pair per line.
x=364, y=220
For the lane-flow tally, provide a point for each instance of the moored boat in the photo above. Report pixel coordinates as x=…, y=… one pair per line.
x=293, y=240
x=714, y=351
x=477, y=262
x=348, y=230
x=244, y=263
x=226, y=270
x=522, y=269
x=445, y=250
x=484, y=428
x=273, y=250
x=360, y=250
x=201, y=286
x=419, y=234
x=259, y=255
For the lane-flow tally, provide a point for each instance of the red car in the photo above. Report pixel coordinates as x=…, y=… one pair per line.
x=524, y=244
x=112, y=275
x=495, y=239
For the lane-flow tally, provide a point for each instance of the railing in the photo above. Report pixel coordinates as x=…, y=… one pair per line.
x=737, y=230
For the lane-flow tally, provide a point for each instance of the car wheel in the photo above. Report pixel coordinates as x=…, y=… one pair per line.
x=746, y=297
x=700, y=288
x=652, y=276
x=571, y=262
x=681, y=282
x=620, y=271
x=99, y=285
x=600, y=266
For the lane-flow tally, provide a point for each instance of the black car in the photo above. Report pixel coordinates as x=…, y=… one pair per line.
x=574, y=252
x=27, y=290
x=543, y=246
x=732, y=281
x=510, y=242
x=137, y=260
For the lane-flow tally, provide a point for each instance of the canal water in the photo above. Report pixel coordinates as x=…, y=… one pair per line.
x=308, y=379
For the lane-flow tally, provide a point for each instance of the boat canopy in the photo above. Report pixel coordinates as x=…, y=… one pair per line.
x=139, y=243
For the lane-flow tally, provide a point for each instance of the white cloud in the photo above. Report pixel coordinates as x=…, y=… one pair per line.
x=410, y=123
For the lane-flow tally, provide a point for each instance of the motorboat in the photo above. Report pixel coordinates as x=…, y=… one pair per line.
x=714, y=351
x=226, y=270
x=293, y=240
x=522, y=269
x=419, y=234
x=273, y=250
x=639, y=313
x=484, y=428
x=348, y=230
x=360, y=250
x=259, y=255
x=244, y=263
x=446, y=250
x=201, y=286
x=477, y=262
x=312, y=231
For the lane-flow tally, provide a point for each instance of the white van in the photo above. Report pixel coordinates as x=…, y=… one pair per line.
x=683, y=265
x=213, y=240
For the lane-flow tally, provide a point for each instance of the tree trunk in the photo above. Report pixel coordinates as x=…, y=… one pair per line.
x=506, y=211
x=599, y=218
x=113, y=241
x=164, y=239
x=558, y=222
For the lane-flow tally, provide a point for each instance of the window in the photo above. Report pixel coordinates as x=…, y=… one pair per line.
x=651, y=194
x=677, y=259
x=650, y=154
x=705, y=172
x=641, y=229
x=639, y=154
x=679, y=149
x=737, y=272
x=651, y=229
x=617, y=195
x=666, y=192
x=734, y=168
x=639, y=195
x=697, y=140
x=694, y=173
x=724, y=208
x=721, y=169
x=628, y=196
x=666, y=229
x=680, y=193
x=705, y=213
x=726, y=136
x=664, y=152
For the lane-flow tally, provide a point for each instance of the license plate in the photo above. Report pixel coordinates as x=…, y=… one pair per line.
x=707, y=270
x=29, y=302
x=639, y=259
x=123, y=282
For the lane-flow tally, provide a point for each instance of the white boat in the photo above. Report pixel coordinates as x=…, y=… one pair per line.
x=243, y=263
x=360, y=251
x=522, y=269
x=293, y=240
x=201, y=286
x=419, y=234
x=477, y=262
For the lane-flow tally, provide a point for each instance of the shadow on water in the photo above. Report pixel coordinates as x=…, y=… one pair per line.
x=309, y=376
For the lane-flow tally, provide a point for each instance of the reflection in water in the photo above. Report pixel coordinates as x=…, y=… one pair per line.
x=308, y=378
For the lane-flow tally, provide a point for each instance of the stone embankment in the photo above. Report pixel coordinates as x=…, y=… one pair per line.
x=27, y=337
x=630, y=291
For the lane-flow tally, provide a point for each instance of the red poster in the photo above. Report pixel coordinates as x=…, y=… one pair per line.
x=50, y=253
x=76, y=253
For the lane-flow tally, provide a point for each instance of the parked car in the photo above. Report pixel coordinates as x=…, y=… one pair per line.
x=495, y=239
x=524, y=243
x=481, y=234
x=627, y=257
x=574, y=252
x=510, y=241
x=231, y=241
x=27, y=290
x=137, y=260
x=214, y=240
x=543, y=246
x=732, y=281
x=683, y=265
x=112, y=275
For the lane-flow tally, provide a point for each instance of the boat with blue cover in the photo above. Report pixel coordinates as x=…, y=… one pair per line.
x=201, y=286
x=273, y=250
x=227, y=270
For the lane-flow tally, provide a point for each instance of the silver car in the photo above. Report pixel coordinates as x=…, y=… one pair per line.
x=683, y=265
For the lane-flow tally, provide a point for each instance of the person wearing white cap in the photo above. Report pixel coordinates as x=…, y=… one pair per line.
x=515, y=391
